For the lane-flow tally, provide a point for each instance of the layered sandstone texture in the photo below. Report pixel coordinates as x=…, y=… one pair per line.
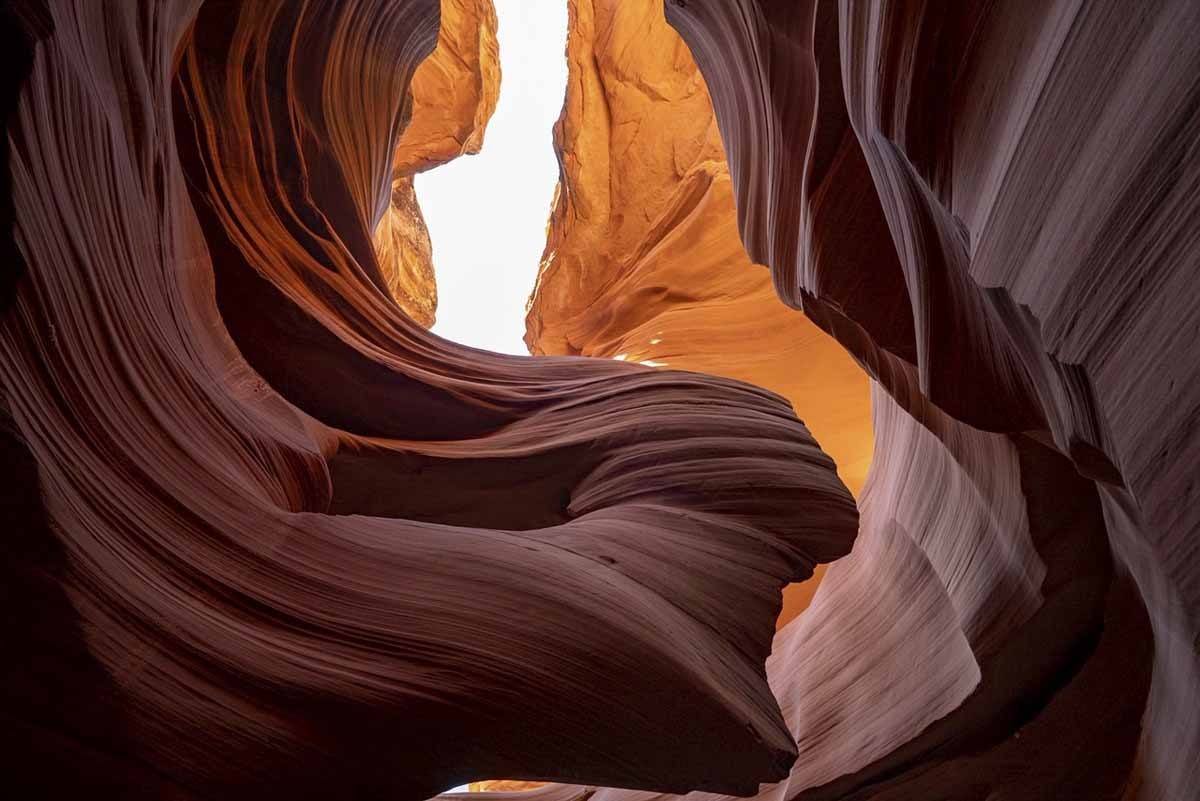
x=643, y=259
x=266, y=536
x=992, y=206
x=996, y=218
x=269, y=538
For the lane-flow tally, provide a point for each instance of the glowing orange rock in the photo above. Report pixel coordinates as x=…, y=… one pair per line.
x=454, y=94
x=504, y=786
x=406, y=254
x=275, y=538
x=643, y=259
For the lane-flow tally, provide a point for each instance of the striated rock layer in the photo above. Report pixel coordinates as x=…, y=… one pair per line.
x=643, y=260
x=993, y=215
x=272, y=538
x=268, y=537
x=991, y=205
x=977, y=641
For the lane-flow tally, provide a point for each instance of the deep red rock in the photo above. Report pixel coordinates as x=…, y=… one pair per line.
x=267, y=537
x=990, y=205
x=308, y=548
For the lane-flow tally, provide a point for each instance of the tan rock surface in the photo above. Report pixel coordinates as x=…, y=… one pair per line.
x=454, y=94
x=504, y=786
x=643, y=259
x=454, y=91
x=406, y=254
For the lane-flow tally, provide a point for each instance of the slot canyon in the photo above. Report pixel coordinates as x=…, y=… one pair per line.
x=856, y=456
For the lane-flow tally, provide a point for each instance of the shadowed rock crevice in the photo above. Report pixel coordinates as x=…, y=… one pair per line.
x=271, y=538
x=202, y=351
x=1015, y=177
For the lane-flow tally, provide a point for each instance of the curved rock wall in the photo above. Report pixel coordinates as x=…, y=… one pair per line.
x=454, y=93
x=270, y=538
x=289, y=544
x=977, y=641
x=990, y=205
x=866, y=144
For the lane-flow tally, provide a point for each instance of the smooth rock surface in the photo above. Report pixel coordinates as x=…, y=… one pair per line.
x=454, y=92
x=267, y=537
x=643, y=261
x=991, y=206
x=290, y=544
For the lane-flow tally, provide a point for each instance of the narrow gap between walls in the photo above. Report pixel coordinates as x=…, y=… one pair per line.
x=487, y=213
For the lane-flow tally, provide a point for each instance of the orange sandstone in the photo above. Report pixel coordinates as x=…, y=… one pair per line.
x=643, y=260
x=454, y=93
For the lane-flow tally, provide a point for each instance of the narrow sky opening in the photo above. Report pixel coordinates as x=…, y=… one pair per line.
x=487, y=213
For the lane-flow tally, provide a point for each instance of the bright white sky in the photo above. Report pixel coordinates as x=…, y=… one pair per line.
x=487, y=213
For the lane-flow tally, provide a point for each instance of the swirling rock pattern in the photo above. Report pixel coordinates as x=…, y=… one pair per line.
x=977, y=628
x=643, y=261
x=986, y=638
x=270, y=538
x=991, y=205
x=282, y=541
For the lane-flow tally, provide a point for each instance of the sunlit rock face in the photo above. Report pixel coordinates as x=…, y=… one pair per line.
x=990, y=205
x=643, y=259
x=454, y=93
x=269, y=538
x=406, y=254
x=454, y=90
x=1015, y=620
x=504, y=786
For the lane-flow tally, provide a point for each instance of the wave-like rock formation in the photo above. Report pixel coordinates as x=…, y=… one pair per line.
x=454, y=93
x=1015, y=619
x=643, y=260
x=268, y=537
